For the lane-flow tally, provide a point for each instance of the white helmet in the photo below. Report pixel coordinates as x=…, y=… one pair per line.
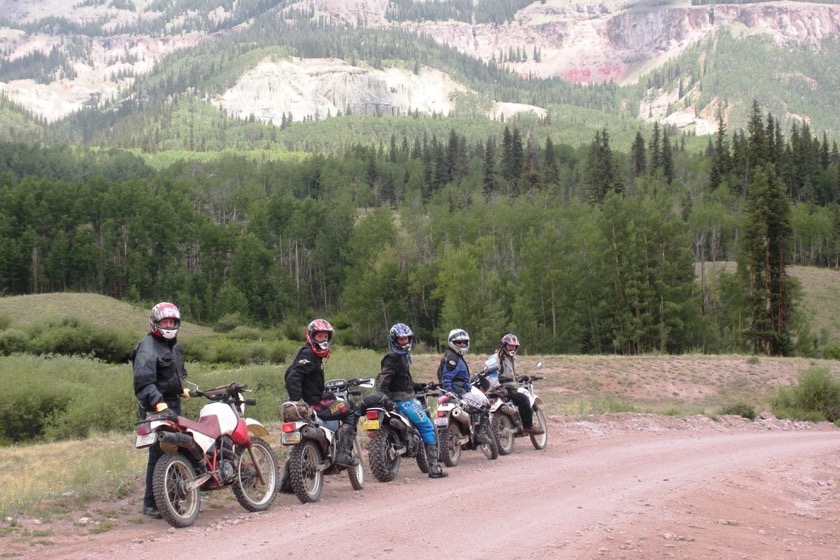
x=459, y=341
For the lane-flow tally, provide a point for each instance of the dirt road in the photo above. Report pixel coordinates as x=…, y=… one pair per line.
x=616, y=486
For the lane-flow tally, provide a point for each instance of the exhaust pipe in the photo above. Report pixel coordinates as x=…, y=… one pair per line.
x=182, y=440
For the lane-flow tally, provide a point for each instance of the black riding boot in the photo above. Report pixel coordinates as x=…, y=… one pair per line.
x=482, y=431
x=344, y=447
x=435, y=470
x=285, y=486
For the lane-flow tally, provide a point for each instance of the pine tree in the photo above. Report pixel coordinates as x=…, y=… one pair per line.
x=638, y=156
x=764, y=246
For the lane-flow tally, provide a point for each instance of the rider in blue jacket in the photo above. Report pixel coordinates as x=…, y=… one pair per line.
x=454, y=375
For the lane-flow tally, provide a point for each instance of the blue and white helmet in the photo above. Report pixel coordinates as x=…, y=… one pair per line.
x=398, y=331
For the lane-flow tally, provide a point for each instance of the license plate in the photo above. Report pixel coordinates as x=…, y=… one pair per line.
x=144, y=440
x=441, y=422
x=290, y=438
x=371, y=424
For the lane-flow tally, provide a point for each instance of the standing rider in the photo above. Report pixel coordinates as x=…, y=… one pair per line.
x=507, y=379
x=395, y=381
x=454, y=375
x=305, y=381
x=158, y=362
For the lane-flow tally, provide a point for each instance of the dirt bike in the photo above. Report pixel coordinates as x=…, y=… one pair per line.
x=393, y=436
x=505, y=420
x=458, y=422
x=314, y=445
x=223, y=448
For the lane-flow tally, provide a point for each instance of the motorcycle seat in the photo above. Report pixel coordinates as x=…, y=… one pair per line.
x=207, y=425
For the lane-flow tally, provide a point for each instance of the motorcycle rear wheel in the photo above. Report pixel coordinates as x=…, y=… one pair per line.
x=382, y=455
x=252, y=494
x=177, y=505
x=503, y=428
x=450, y=449
x=539, y=441
x=357, y=473
x=305, y=475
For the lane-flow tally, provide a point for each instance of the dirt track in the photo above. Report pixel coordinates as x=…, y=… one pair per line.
x=613, y=486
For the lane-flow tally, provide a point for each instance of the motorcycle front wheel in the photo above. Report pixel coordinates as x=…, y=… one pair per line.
x=252, y=494
x=450, y=449
x=382, y=455
x=490, y=450
x=502, y=427
x=357, y=473
x=177, y=504
x=304, y=471
x=539, y=441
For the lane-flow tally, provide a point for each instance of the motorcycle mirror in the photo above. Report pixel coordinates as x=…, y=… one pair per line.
x=539, y=365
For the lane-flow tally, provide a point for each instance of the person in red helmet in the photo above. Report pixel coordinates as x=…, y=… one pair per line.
x=507, y=378
x=158, y=362
x=305, y=381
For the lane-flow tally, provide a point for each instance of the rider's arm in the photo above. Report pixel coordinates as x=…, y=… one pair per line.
x=145, y=375
x=387, y=371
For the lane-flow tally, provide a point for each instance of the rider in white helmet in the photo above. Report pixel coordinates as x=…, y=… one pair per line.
x=454, y=374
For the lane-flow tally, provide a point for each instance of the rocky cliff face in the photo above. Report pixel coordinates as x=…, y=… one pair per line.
x=579, y=41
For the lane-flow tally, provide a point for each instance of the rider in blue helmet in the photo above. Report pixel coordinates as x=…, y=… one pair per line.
x=395, y=381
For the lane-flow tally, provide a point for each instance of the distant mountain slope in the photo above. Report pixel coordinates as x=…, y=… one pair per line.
x=59, y=58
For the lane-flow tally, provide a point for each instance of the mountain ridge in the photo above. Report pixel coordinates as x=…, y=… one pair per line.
x=574, y=41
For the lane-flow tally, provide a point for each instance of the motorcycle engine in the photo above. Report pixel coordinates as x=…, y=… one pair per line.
x=227, y=471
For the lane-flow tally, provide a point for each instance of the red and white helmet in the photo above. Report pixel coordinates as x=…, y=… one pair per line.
x=164, y=310
x=321, y=349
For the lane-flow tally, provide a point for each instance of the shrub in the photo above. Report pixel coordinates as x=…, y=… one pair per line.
x=74, y=337
x=228, y=322
x=816, y=397
x=246, y=333
x=13, y=341
x=831, y=351
x=739, y=409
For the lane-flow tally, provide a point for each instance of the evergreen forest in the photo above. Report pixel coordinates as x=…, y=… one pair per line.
x=577, y=249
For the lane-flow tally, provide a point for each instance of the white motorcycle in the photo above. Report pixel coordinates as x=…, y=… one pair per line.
x=458, y=421
x=314, y=443
x=505, y=420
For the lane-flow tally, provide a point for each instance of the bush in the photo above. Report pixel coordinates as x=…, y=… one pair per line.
x=739, y=409
x=13, y=341
x=74, y=337
x=815, y=398
x=229, y=322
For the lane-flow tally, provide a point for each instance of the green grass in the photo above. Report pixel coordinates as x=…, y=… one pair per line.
x=100, y=311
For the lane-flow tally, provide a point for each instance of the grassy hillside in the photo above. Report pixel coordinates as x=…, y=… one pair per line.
x=100, y=311
x=821, y=295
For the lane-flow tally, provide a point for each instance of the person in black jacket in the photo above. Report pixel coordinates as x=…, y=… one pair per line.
x=158, y=362
x=395, y=381
x=305, y=381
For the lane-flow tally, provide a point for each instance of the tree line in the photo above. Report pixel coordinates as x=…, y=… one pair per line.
x=577, y=249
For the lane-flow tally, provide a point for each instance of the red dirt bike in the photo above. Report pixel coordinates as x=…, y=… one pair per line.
x=222, y=449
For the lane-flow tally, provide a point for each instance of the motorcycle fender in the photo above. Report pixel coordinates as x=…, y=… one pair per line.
x=240, y=433
x=256, y=428
x=537, y=401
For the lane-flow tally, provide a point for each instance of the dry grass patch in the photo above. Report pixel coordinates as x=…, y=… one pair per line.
x=54, y=474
